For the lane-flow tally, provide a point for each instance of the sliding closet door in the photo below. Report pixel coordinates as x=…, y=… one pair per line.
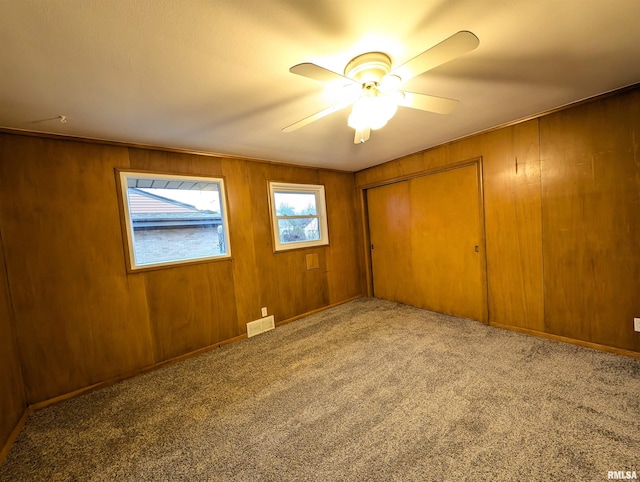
x=426, y=237
x=390, y=232
x=445, y=231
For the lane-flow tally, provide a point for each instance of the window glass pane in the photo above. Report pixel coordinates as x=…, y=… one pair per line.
x=296, y=230
x=295, y=204
x=298, y=215
x=177, y=244
x=173, y=219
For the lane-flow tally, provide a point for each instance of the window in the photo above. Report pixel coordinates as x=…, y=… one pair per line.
x=298, y=215
x=173, y=219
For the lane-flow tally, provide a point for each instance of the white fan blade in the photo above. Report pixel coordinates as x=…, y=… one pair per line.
x=315, y=72
x=318, y=115
x=362, y=136
x=450, y=48
x=430, y=103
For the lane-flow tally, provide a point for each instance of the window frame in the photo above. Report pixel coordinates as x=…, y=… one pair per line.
x=122, y=177
x=318, y=190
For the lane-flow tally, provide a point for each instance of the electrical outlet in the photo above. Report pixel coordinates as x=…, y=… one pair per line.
x=636, y=324
x=264, y=311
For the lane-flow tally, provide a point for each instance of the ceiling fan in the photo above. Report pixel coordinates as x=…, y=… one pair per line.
x=374, y=88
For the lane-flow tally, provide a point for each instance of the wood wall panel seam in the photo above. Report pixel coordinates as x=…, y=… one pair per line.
x=483, y=242
x=7, y=289
x=544, y=309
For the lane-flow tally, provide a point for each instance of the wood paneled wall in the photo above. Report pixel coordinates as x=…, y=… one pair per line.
x=562, y=215
x=80, y=319
x=590, y=159
x=12, y=400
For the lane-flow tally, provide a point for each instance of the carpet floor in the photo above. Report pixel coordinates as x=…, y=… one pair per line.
x=368, y=390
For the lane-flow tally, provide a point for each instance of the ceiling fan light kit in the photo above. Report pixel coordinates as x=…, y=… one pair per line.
x=378, y=98
x=373, y=109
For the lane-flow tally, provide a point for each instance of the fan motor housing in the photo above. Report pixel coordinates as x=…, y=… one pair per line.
x=369, y=67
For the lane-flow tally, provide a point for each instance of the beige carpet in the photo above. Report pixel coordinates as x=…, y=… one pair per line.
x=369, y=390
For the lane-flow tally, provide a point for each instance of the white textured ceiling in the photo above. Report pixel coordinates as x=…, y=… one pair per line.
x=213, y=75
